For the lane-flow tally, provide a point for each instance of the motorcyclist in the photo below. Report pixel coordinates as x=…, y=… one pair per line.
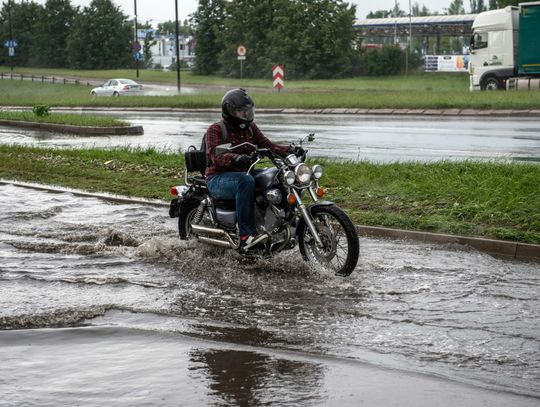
x=226, y=173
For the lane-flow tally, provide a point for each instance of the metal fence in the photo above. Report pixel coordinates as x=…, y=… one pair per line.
x=44, y=79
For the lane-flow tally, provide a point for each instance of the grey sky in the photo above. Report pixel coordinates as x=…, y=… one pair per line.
x=163, y=10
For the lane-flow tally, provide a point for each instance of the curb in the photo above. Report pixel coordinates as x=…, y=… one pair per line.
x=66, y=128
x=347, y=111
x=498, y=248
x=533, y=113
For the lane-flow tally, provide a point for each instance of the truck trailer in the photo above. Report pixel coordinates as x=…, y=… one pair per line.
x=505, y=48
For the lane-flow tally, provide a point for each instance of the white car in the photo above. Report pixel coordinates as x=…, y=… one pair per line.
x=118, y=87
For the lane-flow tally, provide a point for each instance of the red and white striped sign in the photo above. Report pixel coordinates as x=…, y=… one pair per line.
x=277, y=74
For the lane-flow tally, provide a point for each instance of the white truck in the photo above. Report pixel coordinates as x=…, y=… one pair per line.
x=505, y=48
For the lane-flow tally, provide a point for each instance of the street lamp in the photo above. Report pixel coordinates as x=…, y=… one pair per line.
x=177, y=48
x=10, y=34
x=136, y=45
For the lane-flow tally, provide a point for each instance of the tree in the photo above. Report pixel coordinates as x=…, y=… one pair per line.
x=209, y=25
x=477, y=6
x=23, y=17
x=418, y=11
x=455, y=8
x=379, y=14
x=148, y=43
x=169, y=27
x=53, y=27
x=101, y=38
x=496, y=4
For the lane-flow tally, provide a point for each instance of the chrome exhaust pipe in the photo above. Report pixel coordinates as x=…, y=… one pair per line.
x=203, y=230
x=205, y=234
x=215, y=242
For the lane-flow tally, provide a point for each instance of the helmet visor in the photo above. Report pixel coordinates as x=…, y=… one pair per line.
x=244, y=113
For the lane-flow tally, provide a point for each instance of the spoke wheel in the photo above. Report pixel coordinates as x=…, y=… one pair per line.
x=185, y=219
x=340, y=250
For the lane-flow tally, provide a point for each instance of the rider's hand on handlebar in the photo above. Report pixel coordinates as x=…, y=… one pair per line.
x=297, y=150
x=242, y=161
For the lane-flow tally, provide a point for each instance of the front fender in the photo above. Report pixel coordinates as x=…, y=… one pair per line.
x=302, y=222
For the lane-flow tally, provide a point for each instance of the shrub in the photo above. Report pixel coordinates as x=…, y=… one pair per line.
x=388, y=60
x=41, y=110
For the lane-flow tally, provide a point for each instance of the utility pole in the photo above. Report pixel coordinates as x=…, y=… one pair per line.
x=136, y=45
x=407, y=56
x=177, y=48
x=10, y=33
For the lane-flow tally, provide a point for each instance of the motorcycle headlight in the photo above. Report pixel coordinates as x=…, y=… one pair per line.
x=317, y=171
x=303, y=173
x=289, y=177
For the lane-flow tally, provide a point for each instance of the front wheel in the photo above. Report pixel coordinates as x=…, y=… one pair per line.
x=492, y=83
x=341, y=247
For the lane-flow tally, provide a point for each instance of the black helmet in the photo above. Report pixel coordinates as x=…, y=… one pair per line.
x=238, y=107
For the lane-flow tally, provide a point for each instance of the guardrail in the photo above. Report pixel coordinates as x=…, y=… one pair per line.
x=43, y=79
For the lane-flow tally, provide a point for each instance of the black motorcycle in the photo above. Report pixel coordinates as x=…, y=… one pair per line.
x=324, y=233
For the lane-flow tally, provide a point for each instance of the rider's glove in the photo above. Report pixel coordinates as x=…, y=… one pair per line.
x=297, y=150
x=242, y=161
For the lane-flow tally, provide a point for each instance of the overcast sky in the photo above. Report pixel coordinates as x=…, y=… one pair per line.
x=163, y=10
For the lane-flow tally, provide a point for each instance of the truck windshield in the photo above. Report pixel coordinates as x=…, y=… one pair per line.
x=479, y=40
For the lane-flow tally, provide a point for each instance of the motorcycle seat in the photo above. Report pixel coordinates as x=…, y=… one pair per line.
x=197, y=180
x=225, y=204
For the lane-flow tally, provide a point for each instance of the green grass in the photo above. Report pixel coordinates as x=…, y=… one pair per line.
x=495, y=200
x=415, y=91
x=67, y=118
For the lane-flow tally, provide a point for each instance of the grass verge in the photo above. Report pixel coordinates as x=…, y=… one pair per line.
x=70, y=119
x=495, y=200
x=418, y=91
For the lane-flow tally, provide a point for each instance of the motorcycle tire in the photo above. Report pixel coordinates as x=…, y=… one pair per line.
x=186, y=214
x=340, y=252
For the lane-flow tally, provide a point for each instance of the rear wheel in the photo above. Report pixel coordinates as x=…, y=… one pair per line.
x=115, y=94
x=185, y=219
x=341, y=247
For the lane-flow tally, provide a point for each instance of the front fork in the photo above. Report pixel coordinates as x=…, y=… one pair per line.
x=307, y=216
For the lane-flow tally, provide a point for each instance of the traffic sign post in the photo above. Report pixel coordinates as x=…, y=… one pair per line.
x=278, y=74
x=11, y=44
x=241, y=52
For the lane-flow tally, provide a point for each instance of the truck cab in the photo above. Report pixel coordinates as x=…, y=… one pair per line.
x=493, y=48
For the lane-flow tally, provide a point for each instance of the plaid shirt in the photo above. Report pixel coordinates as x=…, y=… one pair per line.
x=225, y=162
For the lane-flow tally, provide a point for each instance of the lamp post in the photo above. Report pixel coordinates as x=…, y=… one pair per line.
x=10, y=34
x=177, y=48
x=136, y=45
x=409, y=42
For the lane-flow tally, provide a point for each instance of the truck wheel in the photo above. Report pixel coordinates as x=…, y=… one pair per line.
x=492, y=83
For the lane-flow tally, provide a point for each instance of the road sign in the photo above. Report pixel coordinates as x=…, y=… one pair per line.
x=137, y=56
x=241, y=57
x=11, y=51
x=136, y=46
x=241, y=51
x=277, y=75
x=11, y=43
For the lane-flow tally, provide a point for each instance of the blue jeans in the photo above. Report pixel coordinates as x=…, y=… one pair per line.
x=240, y=187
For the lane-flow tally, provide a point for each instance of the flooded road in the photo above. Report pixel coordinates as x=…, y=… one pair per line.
x=101, y=302
x=349, y=137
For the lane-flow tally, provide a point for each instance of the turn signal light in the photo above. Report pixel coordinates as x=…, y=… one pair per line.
x=319, y=192
x=291, y=199
x=174, y=191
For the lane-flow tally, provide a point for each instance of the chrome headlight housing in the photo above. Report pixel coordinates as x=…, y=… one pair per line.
x=289, y=177
x=317, y=171
x=303, y=173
